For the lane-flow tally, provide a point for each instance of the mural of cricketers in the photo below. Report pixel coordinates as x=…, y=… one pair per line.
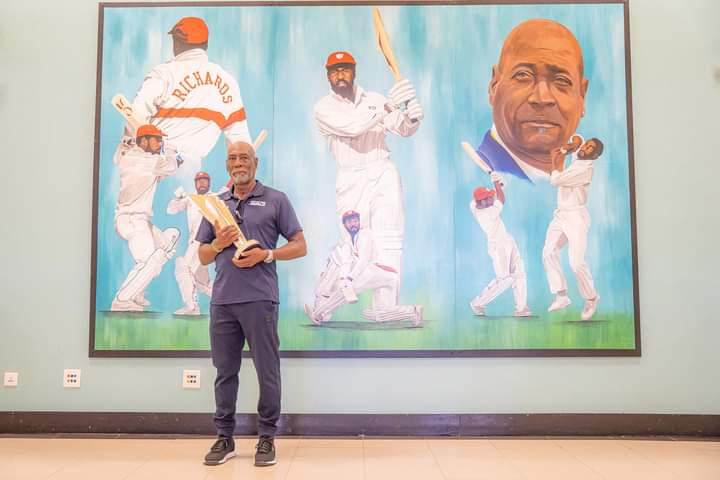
x=486, y=206
x=142, y=164
x=190, y=274
x=355, y=123
x=537, y=94
x=570, y=223
x=350, y=271
x=192, y=99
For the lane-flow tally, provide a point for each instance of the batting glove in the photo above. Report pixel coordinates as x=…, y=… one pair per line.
x=414, y=110
x=402, y=92
x=495, y=177
x=179, y=192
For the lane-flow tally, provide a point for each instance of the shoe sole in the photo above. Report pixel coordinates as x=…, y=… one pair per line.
x=222, y=460
x=266, y=464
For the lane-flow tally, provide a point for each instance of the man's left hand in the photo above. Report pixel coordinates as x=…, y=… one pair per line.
x=250, y=258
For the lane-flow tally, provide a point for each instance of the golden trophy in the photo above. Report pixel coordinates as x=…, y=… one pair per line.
x=215, y=210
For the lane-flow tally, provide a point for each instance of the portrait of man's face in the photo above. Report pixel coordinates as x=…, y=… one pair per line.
x=537, y=91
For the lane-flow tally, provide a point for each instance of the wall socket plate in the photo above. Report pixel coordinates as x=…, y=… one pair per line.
x=191, y=379
x=71, y=378
x=10, y=379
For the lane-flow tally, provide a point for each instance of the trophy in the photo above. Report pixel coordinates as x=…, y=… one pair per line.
x=215, y=210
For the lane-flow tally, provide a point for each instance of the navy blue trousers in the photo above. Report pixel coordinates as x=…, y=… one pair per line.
x=230, y=326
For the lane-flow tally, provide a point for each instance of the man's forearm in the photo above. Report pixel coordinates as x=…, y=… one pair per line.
x=206, y=254
x=295, y=248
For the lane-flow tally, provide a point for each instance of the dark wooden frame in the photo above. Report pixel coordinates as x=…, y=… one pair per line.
x=636, y=352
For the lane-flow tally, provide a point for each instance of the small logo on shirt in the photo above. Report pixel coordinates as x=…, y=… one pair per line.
x=372, y=107
x=257, y=203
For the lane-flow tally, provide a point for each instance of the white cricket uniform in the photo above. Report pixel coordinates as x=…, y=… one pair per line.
x=507, y=263
x=367, y=180
x=570, y=225
x=190, y=274
x=352, y=262
x=192, y=100
x=149, y=246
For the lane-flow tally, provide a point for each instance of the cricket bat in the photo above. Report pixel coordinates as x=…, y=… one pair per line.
x=470, y=151
x=384, y=43
x=125, y=109
x=260, y=139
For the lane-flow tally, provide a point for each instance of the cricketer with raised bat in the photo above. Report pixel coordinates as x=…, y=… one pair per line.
x=355, y=123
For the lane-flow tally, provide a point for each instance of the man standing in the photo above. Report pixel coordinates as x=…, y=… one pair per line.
x=192, y=99
x=142, y=163
x=506, y=260
x=537, y=93
x=350, y=271
x=190, y=274
x=244, y=303
x=570, y=224
x=355, y=123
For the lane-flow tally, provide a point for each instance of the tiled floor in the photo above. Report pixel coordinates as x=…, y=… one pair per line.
x=368, y=458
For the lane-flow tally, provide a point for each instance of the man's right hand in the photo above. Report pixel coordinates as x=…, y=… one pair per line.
x=225, y=236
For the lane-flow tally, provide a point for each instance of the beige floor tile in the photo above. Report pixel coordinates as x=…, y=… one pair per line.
x=683, y=459
x=541, y=459
x=406, y=459
x=330, y=442
x=339, y=463
x=472, y=459
x=613, y=460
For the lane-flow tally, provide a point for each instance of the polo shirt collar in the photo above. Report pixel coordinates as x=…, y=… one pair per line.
x=257, y=191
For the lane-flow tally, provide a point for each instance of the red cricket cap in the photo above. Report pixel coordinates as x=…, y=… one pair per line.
x=482, y=193
x=191, y=30
x=350, y=213
x=151, y=130
x=339, y=58
x=200, y=175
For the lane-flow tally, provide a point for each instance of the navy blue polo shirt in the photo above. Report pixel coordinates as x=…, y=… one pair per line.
x=267, y=214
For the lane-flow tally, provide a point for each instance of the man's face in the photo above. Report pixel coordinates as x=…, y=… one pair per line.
x=588, y=151
x=485, y=202
x=150, y=144
x=537, y=91
x=352, y=224
x=202, y=186
x=342, y=79
x=241, y=165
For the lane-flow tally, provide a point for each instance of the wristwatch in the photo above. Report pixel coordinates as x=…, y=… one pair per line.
x=270, y=257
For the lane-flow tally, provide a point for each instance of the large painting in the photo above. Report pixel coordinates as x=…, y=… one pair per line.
x=463, y=174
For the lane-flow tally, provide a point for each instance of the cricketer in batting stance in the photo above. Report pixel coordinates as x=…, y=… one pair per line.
x=570, y=223
x=350, y=271
x=486, y=206
x=190, y=274
x=142, y=164
x=355, y=123
x=192, y=99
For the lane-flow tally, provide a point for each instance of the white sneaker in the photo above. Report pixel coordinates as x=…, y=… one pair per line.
x=188, y=310
x=525, y=312
x=125, y=306
x=477, y=309
x=589, y=308
x=417, y=315
x=141, y=300
x=560, y=302
x=311, y=315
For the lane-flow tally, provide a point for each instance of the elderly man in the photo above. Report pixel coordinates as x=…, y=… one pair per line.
x=244, y=303
x=537, y=93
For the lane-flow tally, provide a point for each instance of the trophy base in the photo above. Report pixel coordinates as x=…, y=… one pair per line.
x=249, y=245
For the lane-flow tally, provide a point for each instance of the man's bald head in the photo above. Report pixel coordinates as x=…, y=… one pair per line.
x=537, y=91
x=541, y=35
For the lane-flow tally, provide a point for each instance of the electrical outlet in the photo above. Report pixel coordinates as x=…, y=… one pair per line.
x=191, y=379
x=71, y=378
x=10, y=379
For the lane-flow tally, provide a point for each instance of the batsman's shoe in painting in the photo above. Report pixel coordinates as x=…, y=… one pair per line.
x=589, y=308
x=560, y=302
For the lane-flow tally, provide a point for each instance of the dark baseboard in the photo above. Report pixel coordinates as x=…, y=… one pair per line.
x=367, y=424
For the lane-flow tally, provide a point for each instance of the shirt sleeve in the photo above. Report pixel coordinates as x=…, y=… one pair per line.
x=147, y=98
x=576, y=175
x=236, y=129
x=206, y=232
x=398, y=123
x=287, y=222
x=344, y=122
